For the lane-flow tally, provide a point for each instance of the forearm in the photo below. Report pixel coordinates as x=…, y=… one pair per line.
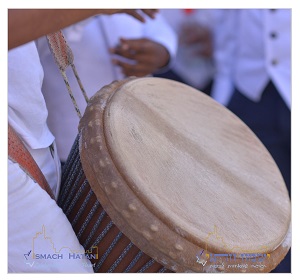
x=25, y=25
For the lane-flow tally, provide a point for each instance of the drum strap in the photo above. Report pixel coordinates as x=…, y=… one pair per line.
x=17, y=152
x=64, y=58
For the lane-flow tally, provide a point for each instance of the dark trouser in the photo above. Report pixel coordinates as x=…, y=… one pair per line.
x=270, y=120
x=173, y=76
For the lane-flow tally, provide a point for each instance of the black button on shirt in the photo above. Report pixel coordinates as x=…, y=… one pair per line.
x=273, y=35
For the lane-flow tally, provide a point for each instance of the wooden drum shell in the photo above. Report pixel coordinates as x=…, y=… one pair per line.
x=165, y=245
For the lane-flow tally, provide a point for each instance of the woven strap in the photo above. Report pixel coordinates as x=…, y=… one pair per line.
x=64, y=58
x=17, y=152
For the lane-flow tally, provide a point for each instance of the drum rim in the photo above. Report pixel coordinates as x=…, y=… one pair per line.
x=178, y=258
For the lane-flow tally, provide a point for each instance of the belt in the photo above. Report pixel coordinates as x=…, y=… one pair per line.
x=17, y=152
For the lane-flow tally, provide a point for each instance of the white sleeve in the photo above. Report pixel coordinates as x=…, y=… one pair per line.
x=224, y=48
x=37, y=226
x=159, y=31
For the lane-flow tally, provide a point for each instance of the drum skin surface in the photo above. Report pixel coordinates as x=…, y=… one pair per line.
x=178, y=173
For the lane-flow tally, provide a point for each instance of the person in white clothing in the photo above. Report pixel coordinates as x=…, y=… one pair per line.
x=253, y=79
x=194, y=59
x=105, y=48
x=40, y=238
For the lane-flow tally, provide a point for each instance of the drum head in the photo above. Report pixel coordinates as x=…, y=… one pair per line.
x=177, y=173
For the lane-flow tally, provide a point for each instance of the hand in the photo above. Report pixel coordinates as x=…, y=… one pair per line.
x=148, y=56
x=199, y=37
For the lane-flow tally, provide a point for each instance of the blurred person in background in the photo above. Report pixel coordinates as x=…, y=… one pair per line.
x=194, y=60
x=253, y=79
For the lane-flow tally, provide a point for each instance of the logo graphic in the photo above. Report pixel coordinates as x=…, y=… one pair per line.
x=242, y=255
x=51, y=252
x=26, y=256
x=199, y=260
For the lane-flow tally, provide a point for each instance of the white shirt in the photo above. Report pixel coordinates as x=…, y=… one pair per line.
x=195, y=70
x=31, y=211
x=29, y=121
x=90, y=41
x=27, y=111
x=262, y=52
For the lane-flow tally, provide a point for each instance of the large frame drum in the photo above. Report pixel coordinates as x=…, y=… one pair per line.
x=171, y=180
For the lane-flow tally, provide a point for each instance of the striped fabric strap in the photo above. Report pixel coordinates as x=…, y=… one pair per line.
x=64, y=58
x=17, y=152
